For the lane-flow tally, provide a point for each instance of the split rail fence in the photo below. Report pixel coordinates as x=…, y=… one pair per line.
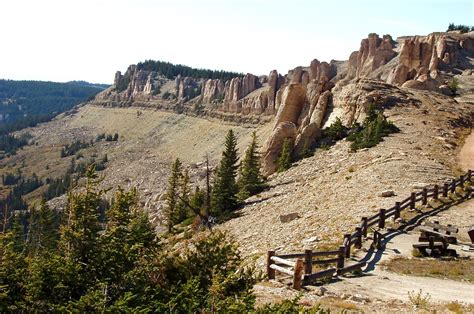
x=300, y=265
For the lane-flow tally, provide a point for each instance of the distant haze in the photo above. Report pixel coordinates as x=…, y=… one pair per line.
x=91, y=39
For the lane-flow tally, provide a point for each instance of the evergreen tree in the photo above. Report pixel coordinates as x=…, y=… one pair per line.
x=43, y=233
x=182, y=210
x=79, y=237
x=198, y=199
x=224, y=192
x=171, y=199
x=284, y=161
x=250, y=180
x=13, y=268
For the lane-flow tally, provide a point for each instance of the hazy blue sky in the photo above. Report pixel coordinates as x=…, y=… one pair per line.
x=61, y=40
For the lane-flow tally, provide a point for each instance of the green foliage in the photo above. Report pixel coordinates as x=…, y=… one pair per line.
x=372, y=131
x=336, y=131
x=174, y=180
x=9, y=144
x=453, y=85
x=250, y=180
x=284, y=161
x=73, y=148
x=460, y=27
x=290, y=306
x=27, y=103
x=43, y=234
x=172, y=70
x=224, y=195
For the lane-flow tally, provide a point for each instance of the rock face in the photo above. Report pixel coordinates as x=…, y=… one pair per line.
x=187, y=88
x=422, y=56
x=292, y=104
x=212, y=90
x=285, y=130
x=239, y=87
x=373, y=53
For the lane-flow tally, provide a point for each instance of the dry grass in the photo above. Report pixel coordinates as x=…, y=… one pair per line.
x=340, y=306
x=460, y=269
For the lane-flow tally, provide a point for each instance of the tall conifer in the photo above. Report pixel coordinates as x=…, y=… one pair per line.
x=250, y=180
x=224, y=192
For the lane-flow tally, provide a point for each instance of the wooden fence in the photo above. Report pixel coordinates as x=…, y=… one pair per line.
x=300, y=265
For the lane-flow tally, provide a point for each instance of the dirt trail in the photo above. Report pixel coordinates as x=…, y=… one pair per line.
x=381, y=284
x=466, y=155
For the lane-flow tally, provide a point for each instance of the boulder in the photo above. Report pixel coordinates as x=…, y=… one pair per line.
x=284, y=130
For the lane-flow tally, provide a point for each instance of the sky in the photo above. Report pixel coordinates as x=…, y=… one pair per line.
x=64, y=40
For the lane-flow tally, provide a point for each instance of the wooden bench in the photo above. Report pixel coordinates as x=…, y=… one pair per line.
x=439, y=231
x=433, y=244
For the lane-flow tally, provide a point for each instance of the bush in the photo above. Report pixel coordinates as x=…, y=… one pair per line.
x=372, y=131
x=336, y=131
x=453, y=85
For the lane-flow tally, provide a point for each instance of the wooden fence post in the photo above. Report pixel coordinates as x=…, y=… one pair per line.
x=424, y=201
x=348, y=246
x=308, y=261
x=397, y=210
x=445, y=190
x=340, y=262
x=461, y=181
x=270, y=271
x=435, y=192
x=413, y=200
x=297, y=274
x=358, y=244
x=453, y=186
x=382, y=218
x=364, y=226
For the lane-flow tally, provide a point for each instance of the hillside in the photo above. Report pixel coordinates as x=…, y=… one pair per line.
x=24, y=103
x=424, y=85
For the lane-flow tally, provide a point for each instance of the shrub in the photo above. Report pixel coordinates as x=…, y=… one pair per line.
x=373, y=129
x=418, y=300
x=336, y=131
x=453, y=85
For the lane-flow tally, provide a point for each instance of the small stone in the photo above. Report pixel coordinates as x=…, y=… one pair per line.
x=289, y=217
x=311, y=240
x=319, y=291
x=387, y=193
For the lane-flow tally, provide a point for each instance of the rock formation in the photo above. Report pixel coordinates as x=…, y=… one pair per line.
x=373, y=53
x=212, y=90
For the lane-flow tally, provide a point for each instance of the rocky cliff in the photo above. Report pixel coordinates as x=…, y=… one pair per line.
x=309, y=98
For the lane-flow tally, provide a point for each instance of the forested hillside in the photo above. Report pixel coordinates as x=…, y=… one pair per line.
x=26, y=103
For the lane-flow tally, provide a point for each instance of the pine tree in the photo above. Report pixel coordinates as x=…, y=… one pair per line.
x=182, y=210
x=171, y=199
x=43, y=234
x=250, y=180
x=13, y=268
x=79, y=236
x=224, y=192
x=284, y=161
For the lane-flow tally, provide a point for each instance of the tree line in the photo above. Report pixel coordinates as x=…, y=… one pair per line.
x=170, y=70
x=460, y=27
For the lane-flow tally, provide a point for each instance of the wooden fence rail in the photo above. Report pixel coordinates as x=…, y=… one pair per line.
x=302, y=268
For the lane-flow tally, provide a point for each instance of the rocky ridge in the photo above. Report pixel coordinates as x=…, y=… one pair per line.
x=308, y=99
